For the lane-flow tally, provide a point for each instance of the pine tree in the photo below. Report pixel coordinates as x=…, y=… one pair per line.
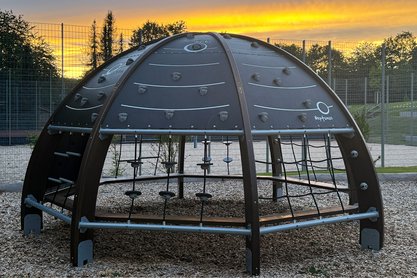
x=107, y=37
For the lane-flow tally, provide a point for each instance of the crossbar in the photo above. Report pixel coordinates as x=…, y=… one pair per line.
x=161, y=227
x=317, y=222
x=31, y=201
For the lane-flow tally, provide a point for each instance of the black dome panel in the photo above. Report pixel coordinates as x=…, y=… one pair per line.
x=186, y=83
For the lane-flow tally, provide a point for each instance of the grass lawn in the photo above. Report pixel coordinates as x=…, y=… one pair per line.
x=397, y=127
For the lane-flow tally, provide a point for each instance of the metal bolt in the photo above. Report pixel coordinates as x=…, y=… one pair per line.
x=354, y=154
x=363, y=186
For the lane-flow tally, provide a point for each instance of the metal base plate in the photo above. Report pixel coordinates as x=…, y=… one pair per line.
x=32, y=224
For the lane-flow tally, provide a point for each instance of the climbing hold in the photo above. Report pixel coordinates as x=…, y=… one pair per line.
x=94, y=117
x=256, y=76
x=302, y=117
x=176, y=76
x=308, y=103
x=77, y=97
x=101, y=95
x=223, y=115
x=129, y=61
x=122, y=117
x=84, y=101
x=287, y=70
x=101, y=79
x=263, y=116
x=142, y=89
x=277, y=81
x=169, y=114
x=203, y=91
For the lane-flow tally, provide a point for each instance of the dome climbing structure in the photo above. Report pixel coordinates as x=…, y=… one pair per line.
x=210, y=86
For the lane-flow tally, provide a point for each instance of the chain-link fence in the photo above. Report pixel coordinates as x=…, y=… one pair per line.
x=378, y=90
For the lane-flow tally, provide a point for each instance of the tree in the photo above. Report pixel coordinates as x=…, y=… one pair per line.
x=22, y=50
x=364, y=58
x=120, y=43
x=107, y=37
x=318, y=59
x=150, y=31
x=399, y=49
x=93, y=60
x=292, y=48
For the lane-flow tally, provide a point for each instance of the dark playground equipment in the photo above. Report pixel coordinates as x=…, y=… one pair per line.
x=207, y=85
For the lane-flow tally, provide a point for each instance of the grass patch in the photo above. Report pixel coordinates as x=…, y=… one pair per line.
x=396, y=127
x=395, y=170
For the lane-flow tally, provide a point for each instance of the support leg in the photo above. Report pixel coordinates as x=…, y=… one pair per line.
x=253, y=255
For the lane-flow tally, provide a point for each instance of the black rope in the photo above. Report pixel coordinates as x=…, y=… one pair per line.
x=305, y=139
x=158, y=156
x=205, y=165
x=285, y=178
x=331, y=170
x=168, y=165
x=295, y=158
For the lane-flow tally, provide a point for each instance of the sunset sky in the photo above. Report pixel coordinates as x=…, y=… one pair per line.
x=299, y=19
x=316, y=20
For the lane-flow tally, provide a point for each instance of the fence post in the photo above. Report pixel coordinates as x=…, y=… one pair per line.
x=346, y=92
x=267, y=156
x=62, y=61
x=329, y=64
x=304, y=51
x=50, y=93
x=9, y=106
x=383, y=105
x=365, y=92
x=17, y=108
x=412, y=108
x=36, y=105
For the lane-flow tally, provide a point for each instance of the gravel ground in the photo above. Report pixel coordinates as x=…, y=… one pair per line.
x=327, y=251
